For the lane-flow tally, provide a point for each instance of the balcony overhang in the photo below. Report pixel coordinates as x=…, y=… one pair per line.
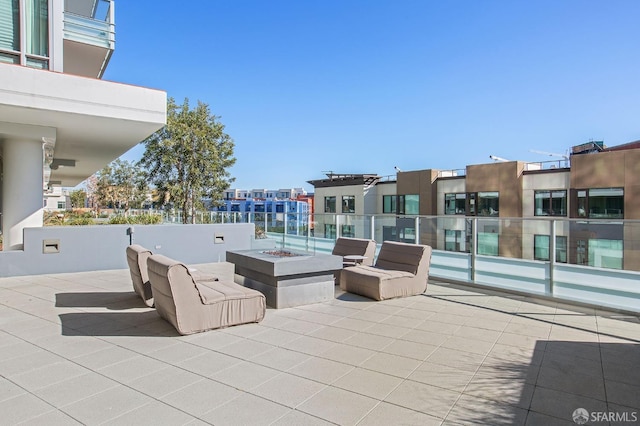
x=95, y=121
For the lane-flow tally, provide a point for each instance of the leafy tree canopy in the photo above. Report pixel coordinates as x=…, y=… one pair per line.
x=121, y=184
x=187, y=160
x=77, y=198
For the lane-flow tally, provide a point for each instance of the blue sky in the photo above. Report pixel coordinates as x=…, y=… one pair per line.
x=361, y=86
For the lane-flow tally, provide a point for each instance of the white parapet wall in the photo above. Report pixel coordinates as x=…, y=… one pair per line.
x=102, y=247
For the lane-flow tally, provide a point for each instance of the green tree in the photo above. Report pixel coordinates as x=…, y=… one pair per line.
x=77, y=198
x=121, y=184
x=187, y=160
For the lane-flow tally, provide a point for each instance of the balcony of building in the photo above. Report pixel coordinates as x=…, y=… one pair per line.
x=89, y=36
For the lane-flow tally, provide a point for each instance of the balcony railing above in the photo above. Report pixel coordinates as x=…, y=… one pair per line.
x=91, y=25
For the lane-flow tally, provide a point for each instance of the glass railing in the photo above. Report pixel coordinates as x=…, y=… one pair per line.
x=95, y=30
x=592, y=261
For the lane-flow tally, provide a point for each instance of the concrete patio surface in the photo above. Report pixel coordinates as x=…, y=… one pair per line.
x=82, y=348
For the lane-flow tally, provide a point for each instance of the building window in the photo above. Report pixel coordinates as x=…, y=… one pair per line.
x=488, y=203
x=329, y=204
x=607, y=203
x=388, y=204
x=409, y=204
x=541, y=248
x=348, y=204
x=454, y=240
x=455, y=203
x=258, y=208
x=330, y=231
x=605, y=253
x=62, y=205
x=550, y=203
x=279, y=208
x=348, y=231
x=10, y=30
x=488, y=244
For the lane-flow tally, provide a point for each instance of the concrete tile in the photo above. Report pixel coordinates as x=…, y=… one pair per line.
x=352, y=324
x=154, y=412
x=347, y=354
x=426, y=337
x=131, y=369
x=386, y=414
x=288, y=390
x=212, y=340
x=51, y=418
x=561, y=404
x=369, y=341
x=9, y=390
x=468, y=344
x=436, y=325
x=106, y=405
x=624, y=394
x=309, y=345
x=346, y=407
x=574, y=375
x=465, y=361
x=200, y=397
x=502, y=389
x=46, y=375
x=279, y=359
x=22, y=408
x=431, y=400
x=244, y=330
x=275, y=337
x=333, y=334
x=522, y=341
x=75, y=389
x=245, y=375
x=535, y=419
x=321, y=370
x=394, y=365
x=246, y=409
x=209, y=363
x=245, y=349
x=382, y=329
x=109, y=356
x=177, y=353
x=482, y=334
x=29, y=362
x=368, y=383
x=472, y=410
x=409, y=349
x=298, y=418
x=164, y=381
x=441, y=376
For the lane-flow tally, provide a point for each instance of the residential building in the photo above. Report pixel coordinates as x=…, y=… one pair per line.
x=591, y=190
x=599, y=183
x=59, y=122
x=273, y=209
x=341, y=201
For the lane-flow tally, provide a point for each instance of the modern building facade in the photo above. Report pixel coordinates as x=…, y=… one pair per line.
x=584, y=198
x=59, y=122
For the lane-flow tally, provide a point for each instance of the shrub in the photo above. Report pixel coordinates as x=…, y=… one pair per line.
x=79, y=221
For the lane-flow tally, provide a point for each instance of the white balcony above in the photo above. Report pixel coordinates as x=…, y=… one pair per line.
x=89, y=36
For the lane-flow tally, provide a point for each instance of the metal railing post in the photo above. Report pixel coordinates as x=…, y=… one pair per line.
x=373, y=228
x=474, y=247
x=552, y=256
x=417, y=228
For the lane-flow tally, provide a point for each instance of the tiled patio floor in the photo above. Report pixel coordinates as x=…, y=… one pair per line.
x=82, y=349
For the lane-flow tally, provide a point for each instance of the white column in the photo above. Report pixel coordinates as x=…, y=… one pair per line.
x=21, y=190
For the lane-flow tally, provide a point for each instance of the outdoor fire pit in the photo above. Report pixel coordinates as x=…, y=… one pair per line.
x=287, y=278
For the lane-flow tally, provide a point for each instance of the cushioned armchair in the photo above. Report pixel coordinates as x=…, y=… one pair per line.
x=194, y=306
x=137, y=259
x=354, y=246
x=401, y=269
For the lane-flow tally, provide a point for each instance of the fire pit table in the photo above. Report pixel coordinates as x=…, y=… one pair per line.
x=287, y=278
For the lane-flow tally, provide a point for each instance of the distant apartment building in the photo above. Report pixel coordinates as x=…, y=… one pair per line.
x=595, y=183
x=275, y=209
x=59, y=122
